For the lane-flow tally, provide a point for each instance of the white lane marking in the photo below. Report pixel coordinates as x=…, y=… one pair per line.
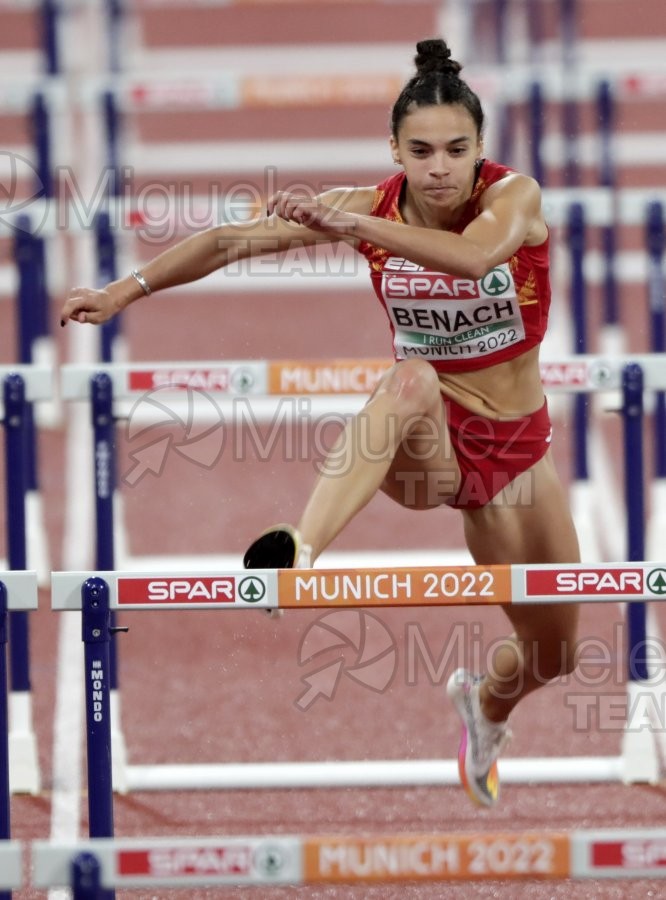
x=77, y=554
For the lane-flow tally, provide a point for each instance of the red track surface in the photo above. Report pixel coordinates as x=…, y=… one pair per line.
x=201, y=687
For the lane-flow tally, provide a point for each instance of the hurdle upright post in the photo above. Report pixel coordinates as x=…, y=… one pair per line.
x=632, y=387
x=104, y=237
x=536, y=120
x=114, y=21
x=639, y=752
x=576, y=235
x=106, y=272
x=104, y=424
x=34, y=344
x=654, y=238
x=96, y=635
x=612, y=336
x=42, y=139
x=86, y=877
x=29, y=261
x=23, y=743
x=5, y=814
x=49, y=28
x=581, y=491
x=570, y=117
x=5, y=829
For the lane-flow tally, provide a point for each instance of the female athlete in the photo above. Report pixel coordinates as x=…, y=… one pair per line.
x=457, y=248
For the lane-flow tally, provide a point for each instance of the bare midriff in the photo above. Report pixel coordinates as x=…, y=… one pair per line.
x=508, y=390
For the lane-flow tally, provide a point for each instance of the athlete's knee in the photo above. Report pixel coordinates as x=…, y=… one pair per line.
x=414, y=384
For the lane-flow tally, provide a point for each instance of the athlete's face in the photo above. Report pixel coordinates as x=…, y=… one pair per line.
x=438, y=146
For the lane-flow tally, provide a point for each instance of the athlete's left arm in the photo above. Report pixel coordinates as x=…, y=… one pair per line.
x=510, y=216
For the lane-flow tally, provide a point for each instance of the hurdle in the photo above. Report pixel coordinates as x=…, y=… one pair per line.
x=234, y=88
x=279, y=859
x=579, y=374
x=98, y=595
x=21, y=386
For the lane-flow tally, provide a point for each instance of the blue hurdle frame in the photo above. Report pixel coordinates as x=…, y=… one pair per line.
x=654, y=236
x=5, y=813
x=18, y=435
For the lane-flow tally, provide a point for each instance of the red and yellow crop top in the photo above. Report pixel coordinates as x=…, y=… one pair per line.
x=459, y=324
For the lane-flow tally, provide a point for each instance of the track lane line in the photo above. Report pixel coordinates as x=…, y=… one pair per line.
x=77, y=554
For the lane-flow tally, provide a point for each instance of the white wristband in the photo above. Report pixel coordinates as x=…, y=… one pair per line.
x=138, y=277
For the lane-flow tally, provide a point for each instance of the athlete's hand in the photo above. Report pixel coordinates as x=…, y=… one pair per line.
x=311, y=212
x=89, y=305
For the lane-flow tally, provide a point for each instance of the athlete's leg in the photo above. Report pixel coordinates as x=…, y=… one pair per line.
x=529, y=522
x=400, y=431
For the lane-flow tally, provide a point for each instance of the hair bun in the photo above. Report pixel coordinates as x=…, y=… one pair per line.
x=435, y=56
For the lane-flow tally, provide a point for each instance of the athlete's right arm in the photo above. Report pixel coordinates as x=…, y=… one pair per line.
x=204, y=252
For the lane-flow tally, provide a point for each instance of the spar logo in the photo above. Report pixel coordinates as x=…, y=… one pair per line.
x=251, y=589
x=496, y=282
x=563, y=374
x=180, y=379
x=220, y=380
x=656, y=582
x=632, y=854
x=175, y=862
x=429, y=285
x=202, y=590
x=606, y=582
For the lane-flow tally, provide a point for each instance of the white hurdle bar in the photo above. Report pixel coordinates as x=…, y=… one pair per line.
x=275, y=859
x=233, y=89
x=257, y=378
x=603, y=206
x=334, y=589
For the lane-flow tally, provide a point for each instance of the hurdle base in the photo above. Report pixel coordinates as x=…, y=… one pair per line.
x=49, y=414
x=366, y=774
x=118, y=746
x=583, y=505
x=37, y=540
x=656, y=527
x=639, y=748
x=24, y=777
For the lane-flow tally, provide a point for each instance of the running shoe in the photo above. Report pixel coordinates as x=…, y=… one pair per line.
x=279, y=547
x=481, y=742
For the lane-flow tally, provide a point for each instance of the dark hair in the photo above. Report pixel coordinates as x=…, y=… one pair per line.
x=436, y=83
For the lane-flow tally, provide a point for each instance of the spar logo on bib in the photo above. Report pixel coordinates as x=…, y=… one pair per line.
x=403, y=279
x=496, y=282
x=437, y=316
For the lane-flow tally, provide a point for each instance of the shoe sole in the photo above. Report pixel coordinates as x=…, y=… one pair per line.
x=456, y=692
x=274, y=549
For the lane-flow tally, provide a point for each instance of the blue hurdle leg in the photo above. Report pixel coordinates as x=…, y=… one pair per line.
x=96, y=635
x=639, y=752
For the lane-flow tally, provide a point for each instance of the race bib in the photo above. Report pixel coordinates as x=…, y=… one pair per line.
x=439, y=316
